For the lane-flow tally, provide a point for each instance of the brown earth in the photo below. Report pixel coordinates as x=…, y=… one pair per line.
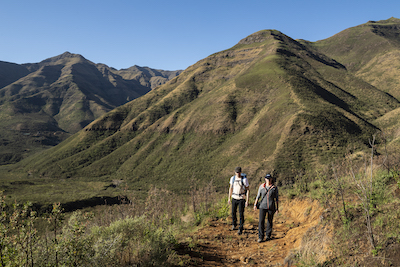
x=216, y=245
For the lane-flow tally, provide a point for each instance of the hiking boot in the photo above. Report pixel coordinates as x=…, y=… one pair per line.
x=268, y=239
x=240, y=231
x=259, y=240
x=233, y=228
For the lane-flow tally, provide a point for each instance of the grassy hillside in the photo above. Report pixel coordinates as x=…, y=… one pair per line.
x=370, y=51
x=269, y=104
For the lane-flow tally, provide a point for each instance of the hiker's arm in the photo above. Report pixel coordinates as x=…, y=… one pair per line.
x=247, y=196
x=230, y=194
x=256, y=201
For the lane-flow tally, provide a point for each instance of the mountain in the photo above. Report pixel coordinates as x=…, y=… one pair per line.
x=269, y=104
x=369, y=51
x=11, y=72
x=43, y=103
x=148, y=77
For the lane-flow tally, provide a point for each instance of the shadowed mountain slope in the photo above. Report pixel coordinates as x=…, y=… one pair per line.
x=11, y=72
x=41, y=103
x=269, y=103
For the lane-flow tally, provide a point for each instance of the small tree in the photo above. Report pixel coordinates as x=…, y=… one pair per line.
x=340, y=190
x=4, y=230
x=56, y=219
x=364, y=184
x=18, y=237
x=76, y=244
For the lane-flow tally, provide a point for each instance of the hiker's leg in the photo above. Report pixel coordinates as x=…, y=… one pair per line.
x=242, y=204
x=270, y=219
x=234, y=209
x=261, y=223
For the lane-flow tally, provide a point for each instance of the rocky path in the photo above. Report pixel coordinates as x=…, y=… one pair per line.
x=216, y=245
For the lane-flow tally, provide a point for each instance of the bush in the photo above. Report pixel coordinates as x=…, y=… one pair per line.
x=221, y=210
x=132, y=241
x=125, y=242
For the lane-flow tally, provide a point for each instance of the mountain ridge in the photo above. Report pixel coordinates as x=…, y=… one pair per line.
x=61, y=95
x=285, y=105
x=374, y=52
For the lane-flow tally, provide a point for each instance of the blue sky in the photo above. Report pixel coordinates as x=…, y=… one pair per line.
x=165, y=34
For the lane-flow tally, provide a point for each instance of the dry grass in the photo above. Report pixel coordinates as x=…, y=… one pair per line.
x=314, y=248
x=382, y=72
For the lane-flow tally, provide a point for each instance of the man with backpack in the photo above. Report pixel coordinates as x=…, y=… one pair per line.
x=239, y=197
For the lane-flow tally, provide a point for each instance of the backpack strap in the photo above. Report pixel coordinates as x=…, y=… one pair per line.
x=269, y=190
x=265, y=187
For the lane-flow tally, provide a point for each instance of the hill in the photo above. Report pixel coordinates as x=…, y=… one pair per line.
x=370, y=51
x=11, y=72
x=43, y=103
x=146, y=76
x=269, y=104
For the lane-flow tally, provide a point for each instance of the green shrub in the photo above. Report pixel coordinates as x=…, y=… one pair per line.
x=221, y=209
x=125, y=242
x=132, y=241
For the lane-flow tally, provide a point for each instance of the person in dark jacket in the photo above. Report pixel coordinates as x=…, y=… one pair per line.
x=268, y=198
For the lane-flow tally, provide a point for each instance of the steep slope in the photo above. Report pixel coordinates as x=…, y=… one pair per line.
x=269, y=103
x=59, y=95
x=391, y=133
x=370, y=51
x=11, y=72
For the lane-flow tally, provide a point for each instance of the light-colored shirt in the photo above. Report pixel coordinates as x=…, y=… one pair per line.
x=239, y=186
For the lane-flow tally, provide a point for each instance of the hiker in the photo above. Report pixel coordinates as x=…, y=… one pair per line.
x=239, y=196
x=268, y=205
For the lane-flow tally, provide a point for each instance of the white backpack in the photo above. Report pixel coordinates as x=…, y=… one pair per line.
x=239, y=188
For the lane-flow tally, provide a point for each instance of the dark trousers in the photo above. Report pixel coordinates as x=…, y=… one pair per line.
x=261, y=222
x=236, y=203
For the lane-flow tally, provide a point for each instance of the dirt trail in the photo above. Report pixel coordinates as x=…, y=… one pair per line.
x=218, y=246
